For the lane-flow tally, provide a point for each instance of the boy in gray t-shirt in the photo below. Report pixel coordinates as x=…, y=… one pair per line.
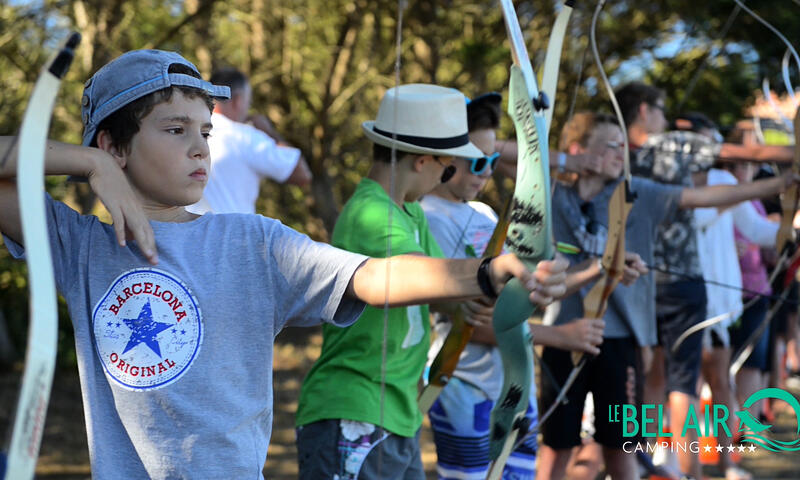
x=175, y=360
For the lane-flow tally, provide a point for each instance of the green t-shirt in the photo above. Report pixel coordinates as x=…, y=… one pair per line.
x=345, y=382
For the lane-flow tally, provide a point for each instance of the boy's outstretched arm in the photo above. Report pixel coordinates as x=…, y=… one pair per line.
x=416, y=279
x=723, y=195
x=105, y=177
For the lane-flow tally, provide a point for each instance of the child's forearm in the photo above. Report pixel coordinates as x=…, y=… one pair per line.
x=581, y=274
x=434, y=280
x=719, y=195
x=60, y=158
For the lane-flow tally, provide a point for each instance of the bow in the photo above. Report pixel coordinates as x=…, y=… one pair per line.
x=43, y=324
x=529, y=237
x=446, y=360
x=619, y=206
x=613, y=259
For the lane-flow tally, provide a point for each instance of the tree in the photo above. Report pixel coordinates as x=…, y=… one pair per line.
x=319, y=68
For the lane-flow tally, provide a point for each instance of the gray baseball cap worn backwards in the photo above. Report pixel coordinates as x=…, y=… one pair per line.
x=131, y=76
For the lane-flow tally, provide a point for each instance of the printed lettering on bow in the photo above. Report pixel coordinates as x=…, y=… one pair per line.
x=148, y=329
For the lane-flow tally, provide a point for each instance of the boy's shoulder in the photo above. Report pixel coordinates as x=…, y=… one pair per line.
x=369, y=198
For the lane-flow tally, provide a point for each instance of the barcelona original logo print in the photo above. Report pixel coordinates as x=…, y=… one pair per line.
x=148, y=329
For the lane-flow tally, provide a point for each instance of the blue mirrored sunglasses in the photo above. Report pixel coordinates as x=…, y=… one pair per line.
x=478, y=165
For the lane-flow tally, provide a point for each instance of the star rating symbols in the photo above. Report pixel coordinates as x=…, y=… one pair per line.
x=145, y=330
x=707, y=448
x=719, y=448
x=731, y=448
x=752, y=448
x=741, y=448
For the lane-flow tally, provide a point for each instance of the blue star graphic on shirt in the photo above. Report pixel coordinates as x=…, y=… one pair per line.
x=145, y=330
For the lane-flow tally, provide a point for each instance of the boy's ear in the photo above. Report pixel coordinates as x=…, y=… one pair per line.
x=642, y=111
x=105, y=143
x=419, y=162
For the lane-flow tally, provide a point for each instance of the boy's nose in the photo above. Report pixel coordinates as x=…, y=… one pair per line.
x=200, y=147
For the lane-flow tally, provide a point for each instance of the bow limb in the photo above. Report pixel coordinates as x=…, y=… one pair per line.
x=446, y=360
x=765, y=90
x=783, y=38
x=552, y=59
x=530, y=238
x=785, y=71
x=619, y=205
x=40, y=358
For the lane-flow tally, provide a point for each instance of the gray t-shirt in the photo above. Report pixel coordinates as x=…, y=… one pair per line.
x=462, y=230
x=631, y=310
x=175, y=360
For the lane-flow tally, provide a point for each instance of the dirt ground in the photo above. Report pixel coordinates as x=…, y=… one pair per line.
x=64, y=454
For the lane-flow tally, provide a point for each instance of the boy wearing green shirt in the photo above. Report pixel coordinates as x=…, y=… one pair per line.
x=341, y=398
x=357, y=416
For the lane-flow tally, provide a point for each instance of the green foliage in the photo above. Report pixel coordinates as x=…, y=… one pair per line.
x=319, y=68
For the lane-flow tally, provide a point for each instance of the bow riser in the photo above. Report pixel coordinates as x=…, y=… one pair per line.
x=596, y=301
x=530, y=237
x=530, y=232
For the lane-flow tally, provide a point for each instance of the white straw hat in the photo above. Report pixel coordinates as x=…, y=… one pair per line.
x=425, y=119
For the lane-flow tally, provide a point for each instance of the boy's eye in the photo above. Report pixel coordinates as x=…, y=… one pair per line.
x=175, y=130
x=206, y=134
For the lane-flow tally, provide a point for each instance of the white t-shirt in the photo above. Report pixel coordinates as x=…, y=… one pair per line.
x=717, y=248
x=463, y=230
x=241, y=155
x=175, y=360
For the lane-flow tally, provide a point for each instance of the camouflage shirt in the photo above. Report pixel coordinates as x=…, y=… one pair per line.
x=671, y=158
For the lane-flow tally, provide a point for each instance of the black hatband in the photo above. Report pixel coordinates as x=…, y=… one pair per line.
x=449, y=142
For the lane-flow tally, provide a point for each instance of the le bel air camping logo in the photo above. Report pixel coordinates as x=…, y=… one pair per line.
x=712, y=419
x=753, y=428
x=147, y=328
